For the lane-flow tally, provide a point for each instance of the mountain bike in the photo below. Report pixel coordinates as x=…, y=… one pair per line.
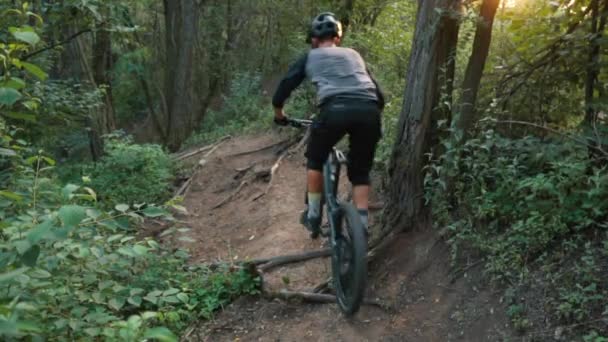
x=346, y=234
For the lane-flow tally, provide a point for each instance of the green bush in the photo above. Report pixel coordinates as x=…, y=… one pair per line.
x=69, y=270
x=536, y=212
x=132, y=173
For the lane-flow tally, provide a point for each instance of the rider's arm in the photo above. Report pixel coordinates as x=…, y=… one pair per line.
x=295, y=76
x=379, y=92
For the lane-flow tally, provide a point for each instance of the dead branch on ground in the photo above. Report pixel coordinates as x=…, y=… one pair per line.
x=231, y=196
x=187, y=155
x=186, y=186
x=277, y=164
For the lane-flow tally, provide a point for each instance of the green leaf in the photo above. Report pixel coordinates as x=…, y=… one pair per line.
x=11, y=195
x=171, y=299
x=35, y=71
x=72, y=215
x=30, y=257
x=13, y=82
x=149, y=315
x=171, y=291
x=160, y=333
x=25, y=35
x=40, y=274
x=93, y=213
x=115, y=237
x=9, y=96
x=183, y=297
x=136, y=291
x=22, y=246
x=4, y=277
x=98, y=297
x=141, y=250
x=68, y=190
x=40, y=232
x=20, y=116
x=153, y=212
x=122, y=207
x=116, y=304
x=135, y=300
x=7, y=152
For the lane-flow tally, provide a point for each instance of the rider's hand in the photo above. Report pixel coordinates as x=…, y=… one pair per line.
x=280, y=118
x=282, y=121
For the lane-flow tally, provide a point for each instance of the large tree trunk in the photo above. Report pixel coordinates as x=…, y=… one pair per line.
x=477, y=61
x=181, y=21
x=405, y=209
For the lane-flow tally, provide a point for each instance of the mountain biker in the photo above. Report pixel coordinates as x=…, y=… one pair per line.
x=350, y=102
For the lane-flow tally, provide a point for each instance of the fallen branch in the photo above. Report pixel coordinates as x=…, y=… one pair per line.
x=277, y=164
x=200, y=150
x=273, y=170
x=186, y=186
x=182, y=189
x=318, y=298
x=290, y=259
x=231, y=196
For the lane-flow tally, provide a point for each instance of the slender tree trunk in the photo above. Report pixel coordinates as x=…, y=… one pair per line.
x=477, y=61
x=102, y=65
x=405, y=209
x=598, y=24
x=181, y=21
x=347, y=11
x=446, y=59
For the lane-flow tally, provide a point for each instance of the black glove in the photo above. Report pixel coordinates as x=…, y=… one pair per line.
x=281, y=122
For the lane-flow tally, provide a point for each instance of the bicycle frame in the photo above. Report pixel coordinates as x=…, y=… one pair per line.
x=331, y=180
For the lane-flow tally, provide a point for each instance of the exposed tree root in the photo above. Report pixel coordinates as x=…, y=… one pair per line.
x=273, y=170
x=187, y=155
x=277, y=164
x=290, y=259
x=265, y=264
x=210, y=149
x=231, y=196
x=318, y=298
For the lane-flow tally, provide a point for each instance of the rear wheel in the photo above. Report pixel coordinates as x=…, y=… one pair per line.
x=349, y=260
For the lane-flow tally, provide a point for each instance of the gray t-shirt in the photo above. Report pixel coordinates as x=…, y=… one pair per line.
x=335, y=72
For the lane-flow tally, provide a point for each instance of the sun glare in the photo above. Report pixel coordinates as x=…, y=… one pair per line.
x=511, y=3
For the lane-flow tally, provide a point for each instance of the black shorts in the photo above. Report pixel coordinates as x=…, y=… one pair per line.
x=361, y=120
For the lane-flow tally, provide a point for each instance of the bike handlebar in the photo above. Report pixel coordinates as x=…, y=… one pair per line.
x=298, y=123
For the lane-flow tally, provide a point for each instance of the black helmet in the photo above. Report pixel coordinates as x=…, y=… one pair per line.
x=325, y=25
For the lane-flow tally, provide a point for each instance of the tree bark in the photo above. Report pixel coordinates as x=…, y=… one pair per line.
x=446, y=59
x=598, y=24
x=405, y=209
x=181, y=21
x=477, y=61
x=102, y=64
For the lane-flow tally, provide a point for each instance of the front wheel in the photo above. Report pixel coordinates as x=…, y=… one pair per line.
x=349, y=260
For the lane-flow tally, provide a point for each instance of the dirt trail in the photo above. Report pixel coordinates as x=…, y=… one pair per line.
x=413, y=275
